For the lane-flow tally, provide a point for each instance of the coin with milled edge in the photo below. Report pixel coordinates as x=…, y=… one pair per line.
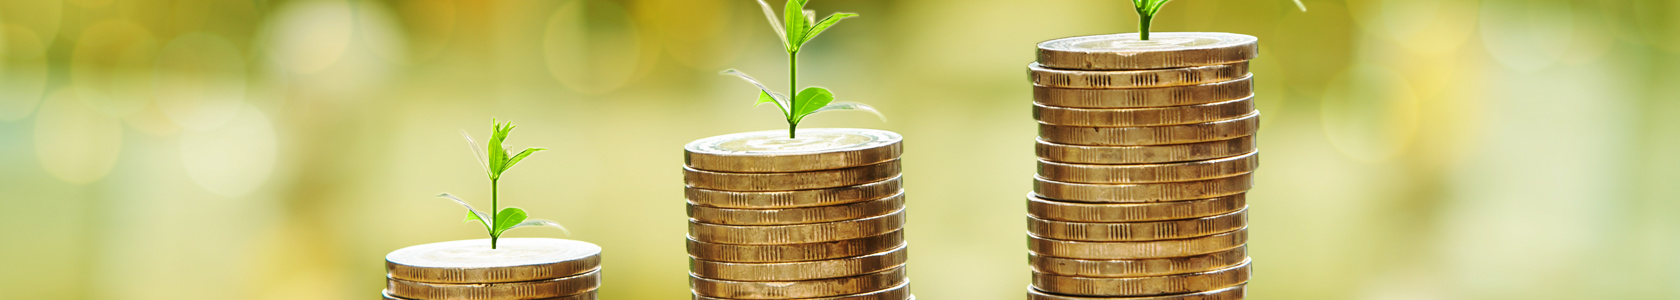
x=1137, y=267
x=1150, y=173
x=1142, y=192
x=1142, y=286
x=770, y=182
x=1132, y=212
x=796, y=234
x=525, y=290
x=1163, y=50
x=1147, y=116
x=792, y=199
x=805, y=270
x=472, y=261
x=1080, y=154
x=1238, y=292
x=1137, y=250
x=590, y=295
x=1150, y=135
x=1145, y=97
x=1137, y=231
x=801, y=215
x=794, y=252
x=1081, y=79
x=798, y=289
x=900, y=292
x=773, y=151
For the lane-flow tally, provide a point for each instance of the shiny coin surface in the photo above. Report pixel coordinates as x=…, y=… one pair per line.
x=1080, y=154
x=1238, y=292
x=1080, y=79
x=1148, y=116
x=798, y=289
x=1137, y=231
x=1142, y=192
x=801, y=215
x=1133, y=212
x=1137, y=250
x=472, y=261
x=1126, y=51
x=770, y=182
x=590, y=295
x=525, y=290
x=794, y=252
x=1137, y=267
x=1150, y=135
x=1142, y=286
x=1145, y=97
x=900, y=292
x=805, y=270
x=796, y=234
x=773, y=151
x=1150, y=173
x=792, y=199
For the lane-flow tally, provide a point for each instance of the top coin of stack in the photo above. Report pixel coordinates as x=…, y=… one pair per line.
x=1145, y=150
x=518, y=269
x=820, y=216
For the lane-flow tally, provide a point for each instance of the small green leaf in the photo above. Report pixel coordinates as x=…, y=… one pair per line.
x=521, y=156
x=541, y=223
x=811, y=99
x=825, y=24
x=474, y=214
x=794, y=15
x=507, y=218
x=498, y=153
x=843, y=105
x=770, y=13
x=478, y=153
x=781, y=100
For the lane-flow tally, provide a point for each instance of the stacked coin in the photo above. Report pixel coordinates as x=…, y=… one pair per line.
x=517, y=269
x=819, y=216
x=1145, y=151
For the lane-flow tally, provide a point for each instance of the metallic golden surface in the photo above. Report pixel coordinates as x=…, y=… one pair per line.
x=472, y=261
x=1142, y=286
x=1081, y=79
x=1163, y=50
x=796, y=234
x=792, y=199
x=1141, y=192
x=794, y=252
x=1145, y=97
x=805, y=270
x=1137, y=231
x=1231, y=293
x=900, y=292
x=1150, y=173
x=771, y=182
x=590, y=295
x=1147, y=116
x=801, y=215
x=1137, y=250
x=772, y=151
x=1137, y=267
x=1132, y=212
x=1150, y=135
x=1079, y=154
x=798, y=289
x=525, y=290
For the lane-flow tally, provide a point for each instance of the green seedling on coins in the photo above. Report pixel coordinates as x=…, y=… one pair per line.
x=797, y=27
x=1146, y=10
x=500, y=159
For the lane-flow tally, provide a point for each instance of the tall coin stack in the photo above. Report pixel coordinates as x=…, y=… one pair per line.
x=518, y=269
x=1145, y=153
x=820, y=216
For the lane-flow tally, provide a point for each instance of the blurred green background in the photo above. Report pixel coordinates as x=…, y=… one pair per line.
x=277, y=149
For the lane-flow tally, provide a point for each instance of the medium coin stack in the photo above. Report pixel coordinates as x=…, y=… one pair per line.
x=518, y=269
x=820, y=216
x=1145, y=151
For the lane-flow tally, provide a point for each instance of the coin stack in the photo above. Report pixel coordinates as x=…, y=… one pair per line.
x=517, y=269
x=820, y=216
x=1145, y=153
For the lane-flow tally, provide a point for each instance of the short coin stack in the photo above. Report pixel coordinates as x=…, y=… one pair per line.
x=820, y=216
x=1145, y=153
x=518, y=269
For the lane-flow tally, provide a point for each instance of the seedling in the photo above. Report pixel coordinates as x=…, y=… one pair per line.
x=500, y=160
x=1146, y=10
x=800, y=26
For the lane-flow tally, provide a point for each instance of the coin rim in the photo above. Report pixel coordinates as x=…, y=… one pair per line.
x=1169, y=153
x=804, y=270
x=1137, y=267
x=1236, y=292
x=809, y=180
x=559, y=287
x=1041, y=75
x=804, y=215
x=1142, y=192
x=796, y=198
x=1150, y=173
x=1137, y=231
x=1137, y=250
x=818, y=288
x=1246, y=125
x=1244, y=48
x=798, y=233
x=696, y=158
x=900, y=292
x=1144, y=116
x=1170, y=96
x=566, y=266
x=1047, y=209
x=763, y=253
x=1144, y=286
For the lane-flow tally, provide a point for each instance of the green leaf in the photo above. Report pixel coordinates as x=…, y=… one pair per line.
x=825, y=24
x=478, y=153
x=811, y=99
x=794, y=16
x=473, y=214
x=498, y=153
x=541, y=223
x=519, y=157
x=770, y=13
x=779, y=99
x=843, y=105
x=507, y=218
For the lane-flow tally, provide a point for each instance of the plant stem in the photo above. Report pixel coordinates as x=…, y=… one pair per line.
x=793, y=91
x=1143, y=25
x=493, y=210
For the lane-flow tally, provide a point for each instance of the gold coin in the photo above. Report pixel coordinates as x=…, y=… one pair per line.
x=1145, y=97
x=1137, y=250
x=1142, y=192
x=1142, y=286
x=1238, y=292
x=770, y=182
x=1150, y=173
x=801, y=215
x=773, y=151
x=796, y=234
x=1147, y=116
x=794, y=252
x=590, y=295
x=800, y=198
x=1133, y=212
x=1137, y=231
x=798, y=289
x=900, y=292
x=805, y=270
x=472, y=261
x=1163, y=50
x=1150, y=135
x=1081, y=79
x=540, y=289
x=1137, y=267
x=1078, y=154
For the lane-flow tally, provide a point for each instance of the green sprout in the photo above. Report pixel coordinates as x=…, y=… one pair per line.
x=500, y=160
x=800, y=27
x=1146, y=10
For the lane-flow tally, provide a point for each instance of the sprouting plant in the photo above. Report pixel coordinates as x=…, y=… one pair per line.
x=801, y=26
x=500, y=159
x=1146, y=10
